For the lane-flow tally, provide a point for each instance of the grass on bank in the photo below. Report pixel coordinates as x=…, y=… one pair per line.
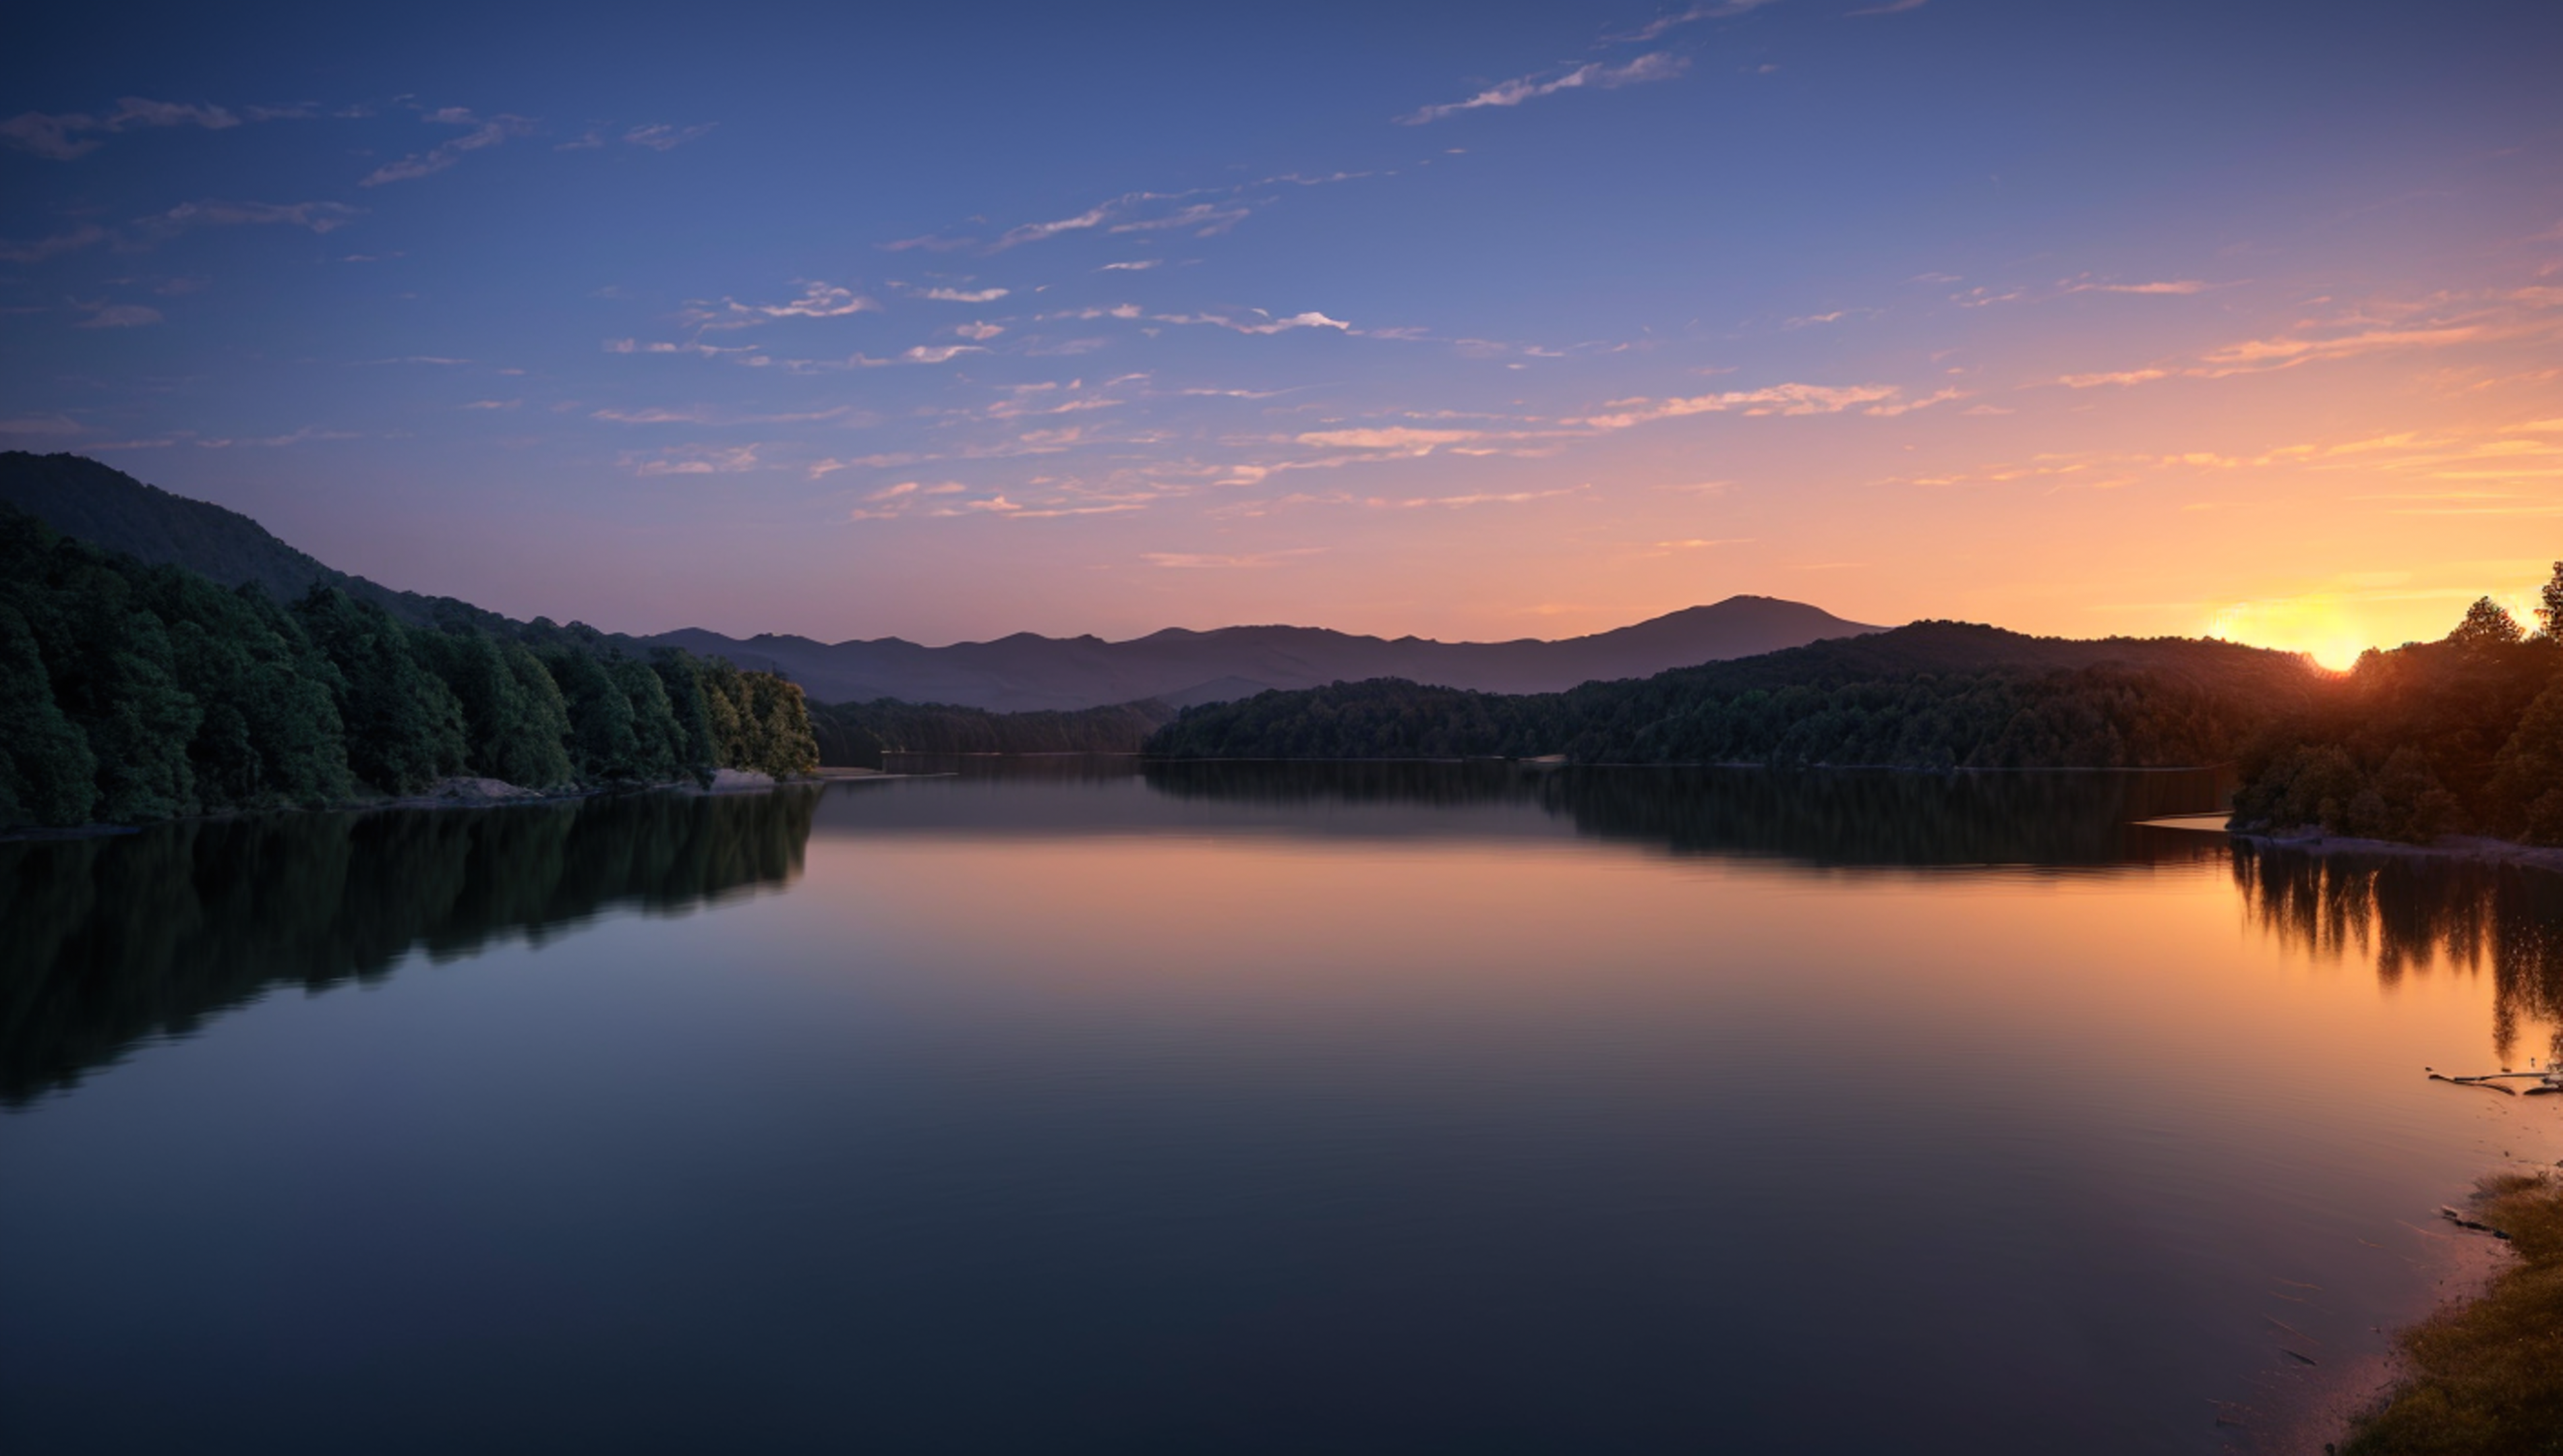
x=2487, y=1374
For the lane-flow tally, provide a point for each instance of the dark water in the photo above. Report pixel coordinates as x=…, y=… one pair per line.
x=1237, y=1108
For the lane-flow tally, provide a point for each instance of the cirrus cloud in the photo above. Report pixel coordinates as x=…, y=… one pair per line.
x=1592, y=75
x=1778, y=398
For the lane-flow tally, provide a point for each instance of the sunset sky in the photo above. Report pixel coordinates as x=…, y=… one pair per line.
x=1468, y=320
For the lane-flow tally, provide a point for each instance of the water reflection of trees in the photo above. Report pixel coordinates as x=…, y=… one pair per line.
x=2407, y=913
x=113, y=940
x=1822, y=816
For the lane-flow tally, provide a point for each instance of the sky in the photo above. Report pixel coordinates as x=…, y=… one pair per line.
x=1467, y=320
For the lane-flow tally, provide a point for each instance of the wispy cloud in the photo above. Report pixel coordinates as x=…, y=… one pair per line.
x=660, y=136
x=1394, y=438
x=830, y=466
x=43, y=248
x=2120, y=376
x=1140, y=264
x=1243, y=561
x=1659, y=25
x=279, y=442
x=319, y=217
x=1131, y=211
x=41, y=425
x=931, y=242
x=483, y=132
x=660, y=346
x=964, y=295
x=1592, y=75
x=1007, y=508
x=119, y=316
x=817, y=300
x=1888, y=408
x=1205, y=219
x=1092, y=217
x=70, y=135
x=891, y=500
x=694, y=460
x=1461, y=503
x=1891, y=7
x=1778, y=398
x=1264, y=325
x=2285, y=351
x=2176, y=287
x=1203, y=212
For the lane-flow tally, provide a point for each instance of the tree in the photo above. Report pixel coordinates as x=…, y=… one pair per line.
x=2549, y=608
x=47, y=774
x=271, y=734
x=658, y=741
x=2485, y=624
x=680, y=675
x=602, y=743
x=404, y=725
x=2527, y=777
x=115, y=676
x=514, y=719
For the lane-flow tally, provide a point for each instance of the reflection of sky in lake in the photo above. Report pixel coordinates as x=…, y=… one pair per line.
x=1082, y=1115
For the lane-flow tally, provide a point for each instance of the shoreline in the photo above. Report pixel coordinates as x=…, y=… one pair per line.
x=2480, y=1372
x=2473, y=848
x=465, y=793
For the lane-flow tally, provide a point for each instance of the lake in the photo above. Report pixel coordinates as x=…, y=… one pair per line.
x=1058, y=1106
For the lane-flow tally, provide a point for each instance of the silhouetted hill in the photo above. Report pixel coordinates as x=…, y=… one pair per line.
x=1935, y=694
x=1936, y=646
x=1180, y=667
x=104, y=506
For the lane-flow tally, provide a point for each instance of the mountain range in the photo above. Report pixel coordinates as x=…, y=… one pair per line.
x=83, y=498
x=1181, y=669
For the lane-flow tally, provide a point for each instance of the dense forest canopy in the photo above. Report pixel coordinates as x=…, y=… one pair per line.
x=132, y=692
x=1934, y=695
x=2464, y=735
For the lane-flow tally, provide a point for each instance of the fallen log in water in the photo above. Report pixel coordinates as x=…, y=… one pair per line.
x=2461, y=1221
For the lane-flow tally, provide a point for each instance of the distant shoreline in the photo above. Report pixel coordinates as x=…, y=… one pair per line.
x=465, y=793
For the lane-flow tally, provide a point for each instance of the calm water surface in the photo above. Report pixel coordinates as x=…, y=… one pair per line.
x=1238, y=1110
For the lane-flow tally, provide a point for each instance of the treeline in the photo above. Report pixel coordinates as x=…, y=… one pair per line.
x=131, y=693
x=2464, y=735
x=1930, y=696
x=855, y=735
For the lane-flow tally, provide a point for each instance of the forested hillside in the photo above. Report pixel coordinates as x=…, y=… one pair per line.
x=132, y=692
x=855, y=735
x=2459, y=736
x=1930, y=696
